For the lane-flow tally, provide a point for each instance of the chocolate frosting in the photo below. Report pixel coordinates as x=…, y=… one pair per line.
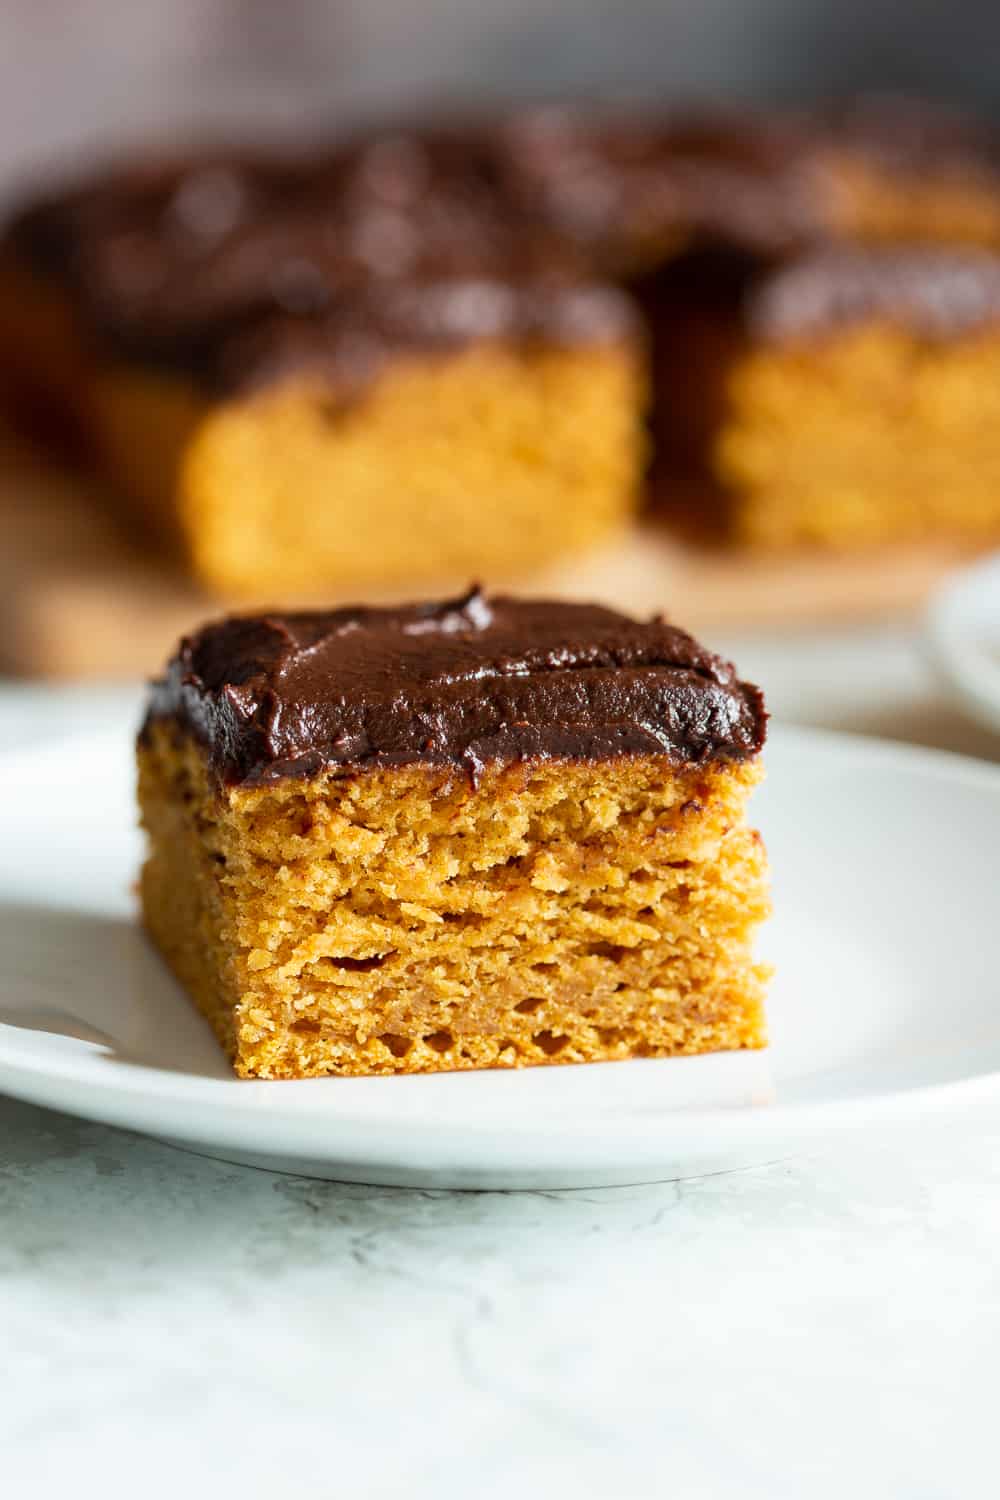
x=939, y=294
x=613, y=182
x=554, y=179
x=236, y=269
x=190, y=201
x=356, y=335
x=225, y=256
x=392, y=209
x=911, y=138
x=465, y=682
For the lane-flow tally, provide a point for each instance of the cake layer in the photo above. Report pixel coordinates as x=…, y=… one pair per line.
x=402, y=920
x=365, y=467
x=470, y=681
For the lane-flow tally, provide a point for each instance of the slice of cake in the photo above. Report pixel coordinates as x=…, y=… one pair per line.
x=65, y=249
x=350, y=369
x=480, y=833
x=842, y=397
x=412, y=430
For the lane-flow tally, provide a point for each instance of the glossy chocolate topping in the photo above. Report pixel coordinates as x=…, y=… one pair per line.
x=392, y=209
x=190, y=202
x=939, y=294
x=224, y=256
x=464, y=682
x=358, y=334
x=615, y=183
x=236, y=269
x=912, y=137
x=175, y=255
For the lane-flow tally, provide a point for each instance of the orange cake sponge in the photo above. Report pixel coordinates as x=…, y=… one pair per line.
x=482, y=833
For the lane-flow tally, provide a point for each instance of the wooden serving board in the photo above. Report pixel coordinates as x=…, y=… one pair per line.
x=77, y=599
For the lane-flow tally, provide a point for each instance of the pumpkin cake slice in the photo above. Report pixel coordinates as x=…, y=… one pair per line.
x=479, y=833
x=347, y=369
x=843, y=398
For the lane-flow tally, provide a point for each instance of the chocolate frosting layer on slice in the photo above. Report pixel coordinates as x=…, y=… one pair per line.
x=939, y=294
x=464, y=682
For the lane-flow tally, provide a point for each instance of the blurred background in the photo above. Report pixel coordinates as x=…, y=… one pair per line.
x=81, y=77
x=76, y=74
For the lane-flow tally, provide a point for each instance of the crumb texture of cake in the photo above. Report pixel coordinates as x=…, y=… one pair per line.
x=483, y=833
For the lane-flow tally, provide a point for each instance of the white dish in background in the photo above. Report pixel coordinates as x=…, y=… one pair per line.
x=887, y=996
x=963, y=628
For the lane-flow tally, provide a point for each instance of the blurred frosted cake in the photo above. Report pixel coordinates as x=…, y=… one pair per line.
x=298, y=377
x=845, y=397
x=477, y=833
x=428, y=352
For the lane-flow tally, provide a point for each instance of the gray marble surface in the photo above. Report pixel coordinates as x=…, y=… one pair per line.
x=796, y=1330
x=831, y=1323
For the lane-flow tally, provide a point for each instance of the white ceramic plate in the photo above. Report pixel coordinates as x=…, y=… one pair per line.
x=887, y=996
x=963, y=626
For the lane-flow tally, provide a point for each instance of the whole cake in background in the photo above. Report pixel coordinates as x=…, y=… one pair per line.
x=478, y=833
x=434, y=350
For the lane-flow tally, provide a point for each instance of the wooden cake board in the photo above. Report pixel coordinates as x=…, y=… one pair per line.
x=77, y=599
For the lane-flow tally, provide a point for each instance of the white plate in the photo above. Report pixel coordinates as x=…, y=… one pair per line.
x=963, y=626
x=887, y=996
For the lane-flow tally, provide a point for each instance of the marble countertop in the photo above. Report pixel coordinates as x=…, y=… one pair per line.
x=831, y=1323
